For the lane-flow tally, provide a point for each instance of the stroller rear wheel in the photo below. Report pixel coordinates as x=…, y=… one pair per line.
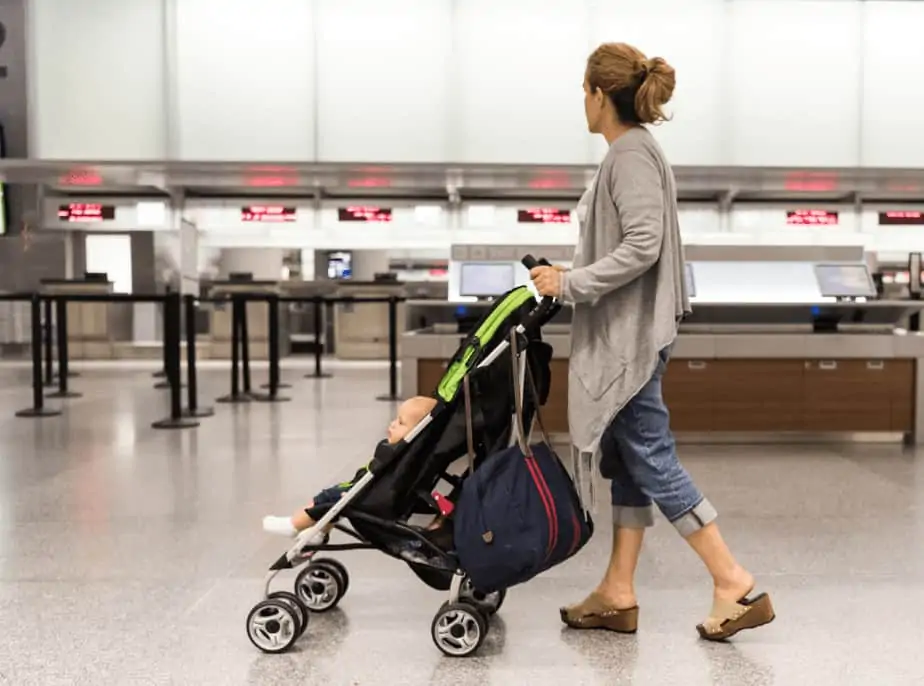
x=458, y=629
x=296, y=603
x=321, y=585
x=273, y=625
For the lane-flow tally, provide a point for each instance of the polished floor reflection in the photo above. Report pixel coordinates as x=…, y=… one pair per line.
x=132, y=556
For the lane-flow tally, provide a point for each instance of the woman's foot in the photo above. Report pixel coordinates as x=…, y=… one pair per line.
x=603, y=610
x=281, y=526
x=733, y=611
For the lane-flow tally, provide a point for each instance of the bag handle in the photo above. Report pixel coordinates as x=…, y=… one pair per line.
x=469, y=433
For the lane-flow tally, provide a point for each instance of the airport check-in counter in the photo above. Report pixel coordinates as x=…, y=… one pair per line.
x=89, y=335
x=361, y=329
x=257, y=319
x=784, y=362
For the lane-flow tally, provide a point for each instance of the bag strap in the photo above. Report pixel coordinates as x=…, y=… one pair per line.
x=469, y=432
x=522, y=437
x=534, y=389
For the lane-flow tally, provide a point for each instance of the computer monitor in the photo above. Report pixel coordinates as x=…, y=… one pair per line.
x=691, y=282
x=485, y=279
x=844, y=281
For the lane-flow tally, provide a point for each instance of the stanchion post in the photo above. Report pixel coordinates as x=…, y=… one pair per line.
x=245, y=346
x=192, y=384
x=38, y=408
x=48, y=343
x=272, y=322
x=235, y=396
x=162, y=374
x=392, y=350
x=63, y=374
x=176, y=420
x=317, y=302
x=274, y=327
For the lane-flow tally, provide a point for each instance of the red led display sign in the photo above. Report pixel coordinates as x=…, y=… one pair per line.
x=544, y=215
x=357, y=213
x=901, y=218
x=811, y=218
x=268, y=213
x=86, y=212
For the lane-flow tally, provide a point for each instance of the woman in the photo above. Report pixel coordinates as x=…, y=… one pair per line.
x=628, y=291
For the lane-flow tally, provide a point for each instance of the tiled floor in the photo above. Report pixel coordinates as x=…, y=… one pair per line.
x=132, y=556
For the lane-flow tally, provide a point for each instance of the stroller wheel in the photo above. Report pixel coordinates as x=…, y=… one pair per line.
x=273, y=625
x=458, y=629
x=296, y=604
x=487, y=603
x=320, y=586
x=341, y=569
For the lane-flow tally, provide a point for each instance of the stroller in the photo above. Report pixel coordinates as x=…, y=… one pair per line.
x=473, y=418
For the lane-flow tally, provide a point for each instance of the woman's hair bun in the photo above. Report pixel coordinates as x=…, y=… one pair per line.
x=655, y=91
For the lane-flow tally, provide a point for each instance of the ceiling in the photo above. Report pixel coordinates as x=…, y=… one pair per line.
x=446, y=181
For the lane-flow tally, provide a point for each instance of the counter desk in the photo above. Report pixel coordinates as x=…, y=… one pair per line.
x=749, y=387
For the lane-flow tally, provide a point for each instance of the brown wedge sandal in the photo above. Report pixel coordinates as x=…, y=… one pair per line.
x=727, y=618
x=595, y=613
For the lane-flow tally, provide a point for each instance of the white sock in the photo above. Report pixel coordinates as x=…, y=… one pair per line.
x=279, y=525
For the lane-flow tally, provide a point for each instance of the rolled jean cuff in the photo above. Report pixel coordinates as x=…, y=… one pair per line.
x=695, y=519
x=633, y=517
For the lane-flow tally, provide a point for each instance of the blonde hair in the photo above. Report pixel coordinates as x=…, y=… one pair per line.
x=638, y=87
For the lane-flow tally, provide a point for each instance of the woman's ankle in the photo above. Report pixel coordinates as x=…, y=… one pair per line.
x=734, y=584
x=620, y=596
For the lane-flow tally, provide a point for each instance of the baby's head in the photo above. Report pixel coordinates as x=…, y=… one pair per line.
x=410, y=412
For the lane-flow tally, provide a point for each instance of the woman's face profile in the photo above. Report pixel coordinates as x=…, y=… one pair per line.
x=593, y=107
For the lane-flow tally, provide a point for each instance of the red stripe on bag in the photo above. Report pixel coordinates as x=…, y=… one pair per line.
x=531, y=466
x=547, y=500
x=577, y=534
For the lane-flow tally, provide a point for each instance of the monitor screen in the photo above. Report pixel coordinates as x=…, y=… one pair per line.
x=844, y=281
x=485, y=279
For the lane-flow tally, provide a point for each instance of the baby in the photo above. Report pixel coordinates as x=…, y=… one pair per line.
x=410, y=414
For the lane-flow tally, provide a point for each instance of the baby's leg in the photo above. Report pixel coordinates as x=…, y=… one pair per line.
x=289, y=526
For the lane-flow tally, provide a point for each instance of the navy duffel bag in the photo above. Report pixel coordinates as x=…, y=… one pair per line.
x=518, y=515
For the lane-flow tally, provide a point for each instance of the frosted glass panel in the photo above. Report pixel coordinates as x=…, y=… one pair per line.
x=694, y=136
x=97, y=78
x=383, y=83
x=794, y=82
x=893, y=57
x=245, y=85
x=517, y=86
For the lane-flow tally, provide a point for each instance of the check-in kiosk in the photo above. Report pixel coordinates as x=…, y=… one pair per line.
x=784, y=343
x=361, y=329
x=257, y=318
x=89, y=335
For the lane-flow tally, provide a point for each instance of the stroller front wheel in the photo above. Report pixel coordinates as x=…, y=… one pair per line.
x=458, y=629
x=295, y=603
x=320, y=586
x=273, y=625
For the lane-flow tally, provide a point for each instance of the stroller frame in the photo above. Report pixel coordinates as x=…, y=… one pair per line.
x=459, y=628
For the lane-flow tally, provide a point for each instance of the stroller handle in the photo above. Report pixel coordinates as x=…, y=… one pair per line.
x=548, y=306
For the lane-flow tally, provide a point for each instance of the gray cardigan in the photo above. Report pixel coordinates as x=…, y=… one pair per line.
x=627, y=284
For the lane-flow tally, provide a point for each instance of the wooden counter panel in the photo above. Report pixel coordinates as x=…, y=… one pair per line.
x=555, y=412
x=848, y=395
x=686, y=389
x=757, y=395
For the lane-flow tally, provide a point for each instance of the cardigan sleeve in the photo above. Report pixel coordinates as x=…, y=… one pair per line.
x=638, y=193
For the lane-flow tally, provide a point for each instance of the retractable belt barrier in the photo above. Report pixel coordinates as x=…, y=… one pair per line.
x=49, y=332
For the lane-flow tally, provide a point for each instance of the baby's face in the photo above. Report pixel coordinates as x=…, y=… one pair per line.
x=409, y=415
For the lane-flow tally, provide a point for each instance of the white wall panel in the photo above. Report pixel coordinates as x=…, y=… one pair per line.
x=245, y=84
x=97, y=79
x=794, y=78
x=383, y=80
x=518, y=67
x=694, y=136
x=893, y=52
